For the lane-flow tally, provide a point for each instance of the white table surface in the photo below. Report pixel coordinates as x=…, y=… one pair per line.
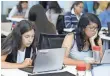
x=103, y=70
x=17, y=72
x=15, y=19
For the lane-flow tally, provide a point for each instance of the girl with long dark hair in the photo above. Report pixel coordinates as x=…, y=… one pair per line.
x=79, y=46
x=19, y=46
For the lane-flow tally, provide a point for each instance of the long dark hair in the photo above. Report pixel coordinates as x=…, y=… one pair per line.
x=19, y=6
x=55, y=6
x=76, y=3
x=83, y=22
x=13, y=41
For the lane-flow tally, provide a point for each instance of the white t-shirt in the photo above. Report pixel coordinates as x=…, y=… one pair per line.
x=21, y=55
x=14, y=11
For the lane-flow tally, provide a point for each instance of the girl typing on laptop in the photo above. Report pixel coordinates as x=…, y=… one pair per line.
x=19, y=46
x=79, y=46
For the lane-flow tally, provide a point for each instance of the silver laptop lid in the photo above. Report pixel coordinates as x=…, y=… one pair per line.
x=106, y=57
x=49, y=60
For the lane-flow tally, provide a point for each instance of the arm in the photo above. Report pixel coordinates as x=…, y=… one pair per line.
x=13, y=13
x=67, y=43
x=5, y=64
x=99, y=43
x=17, y=16
x=101, y=50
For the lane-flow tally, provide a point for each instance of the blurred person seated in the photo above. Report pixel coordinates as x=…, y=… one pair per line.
x=105, y=16
x=19, y=11
x=71, y=18
x=102, y=6
x=38, y=17
x=53, y=12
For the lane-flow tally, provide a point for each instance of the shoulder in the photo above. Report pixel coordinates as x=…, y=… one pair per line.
x=68, y=13
x=69, y=36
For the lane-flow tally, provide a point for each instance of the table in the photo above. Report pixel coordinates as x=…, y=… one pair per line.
x=15, y=19
x=102, y=70
x=17, y=72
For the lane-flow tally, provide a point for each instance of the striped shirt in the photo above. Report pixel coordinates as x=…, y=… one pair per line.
x=71, y=20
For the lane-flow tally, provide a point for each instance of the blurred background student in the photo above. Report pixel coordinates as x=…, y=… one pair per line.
x=53, y=12
x=105, y=16
x=72, y=17
x=20, y=10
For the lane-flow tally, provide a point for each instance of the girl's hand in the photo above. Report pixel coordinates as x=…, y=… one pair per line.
x=93, y=37
x=27, y=62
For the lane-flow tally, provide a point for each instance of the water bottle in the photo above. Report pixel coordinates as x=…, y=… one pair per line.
x=96, y=53
x=81, y=70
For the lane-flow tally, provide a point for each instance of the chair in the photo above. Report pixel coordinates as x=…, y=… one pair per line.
x=60, y=25
x=47, y=41
x=3, y=37
x=42, y=25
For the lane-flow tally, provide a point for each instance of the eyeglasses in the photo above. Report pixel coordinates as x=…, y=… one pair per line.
x=92, y=28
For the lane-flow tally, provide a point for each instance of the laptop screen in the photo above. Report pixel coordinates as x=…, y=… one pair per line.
x=49, y=60
x=108, y=27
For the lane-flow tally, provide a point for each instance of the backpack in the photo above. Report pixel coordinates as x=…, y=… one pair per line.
x=60, y=25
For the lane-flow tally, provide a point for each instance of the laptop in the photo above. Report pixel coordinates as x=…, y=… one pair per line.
x=102, y=70
x=106, y=56
x=108, y=34
x=48, y=61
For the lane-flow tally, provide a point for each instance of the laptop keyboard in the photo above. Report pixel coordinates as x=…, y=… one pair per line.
x=55, y=74
x=27, y=69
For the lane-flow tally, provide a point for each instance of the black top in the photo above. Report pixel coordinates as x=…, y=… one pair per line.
x=12, y=57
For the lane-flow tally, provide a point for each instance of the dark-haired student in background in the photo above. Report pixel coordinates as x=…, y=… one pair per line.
x=19, y=11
